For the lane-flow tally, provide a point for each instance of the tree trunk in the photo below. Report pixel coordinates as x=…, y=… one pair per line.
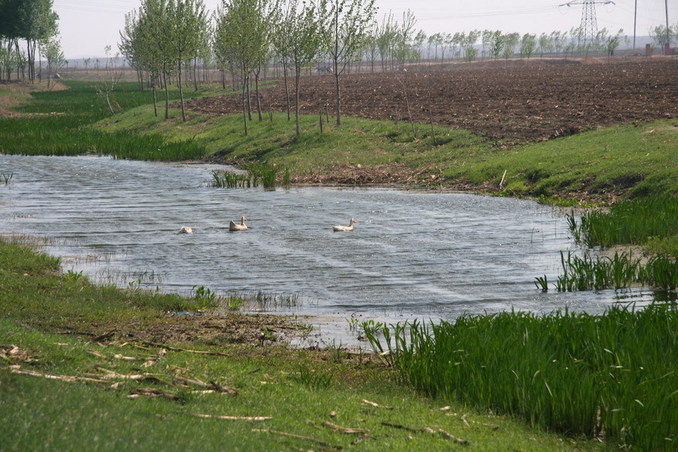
x=287, y=92
x=337, y=88
x=195, y=73
x=181, y=96
x=249, y=97
x=297, y=95
x=256, y=93
x=155, y=98
x=244, y=107
x=164, y=79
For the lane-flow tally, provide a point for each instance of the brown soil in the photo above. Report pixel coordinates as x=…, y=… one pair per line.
x=218, y=328
x=514, y=101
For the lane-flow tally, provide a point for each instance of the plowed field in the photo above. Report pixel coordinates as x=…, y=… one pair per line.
x=515, y=101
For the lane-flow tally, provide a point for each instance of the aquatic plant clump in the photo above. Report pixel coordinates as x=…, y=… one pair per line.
x=617, y=272
x=261, y=174
x=628, y=222
x=611, y=376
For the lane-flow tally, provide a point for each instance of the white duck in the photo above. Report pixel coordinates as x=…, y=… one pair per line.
x=345, y=228
x=233, y=226
x=186, y=230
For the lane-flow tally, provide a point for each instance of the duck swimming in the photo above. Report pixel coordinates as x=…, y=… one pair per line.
x=233, y=226
x=345, y=228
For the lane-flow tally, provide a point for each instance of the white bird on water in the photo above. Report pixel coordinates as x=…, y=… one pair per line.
x=186, y=230
x=233, y=226
x=345, y=228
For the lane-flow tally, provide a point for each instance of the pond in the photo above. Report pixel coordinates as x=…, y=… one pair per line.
x=413, y=254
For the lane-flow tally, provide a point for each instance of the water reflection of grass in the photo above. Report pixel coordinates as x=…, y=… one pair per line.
x=611, y=375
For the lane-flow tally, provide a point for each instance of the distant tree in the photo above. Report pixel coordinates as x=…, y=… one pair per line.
x=371, y=48
x=545, y=44
x=435, y=41
x=468, y=44
x=511, y=40
x=402, y=39
x=346, y=33
x=661, y=35
x=495, y=41
x=419, y=39
x=52, y=52
x=384, y=35
x=609, y=43
x=528, y=44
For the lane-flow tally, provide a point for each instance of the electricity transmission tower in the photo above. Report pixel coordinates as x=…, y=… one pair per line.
x=588, y=28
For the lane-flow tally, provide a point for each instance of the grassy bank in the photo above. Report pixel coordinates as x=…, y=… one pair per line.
x=87, y=367
x=630, y=160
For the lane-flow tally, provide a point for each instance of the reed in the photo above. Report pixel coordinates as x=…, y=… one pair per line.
x=628, y=222
x=264, y=172
x=228, y=179
x=617, y=272
x=612, y=375
x=6, y=178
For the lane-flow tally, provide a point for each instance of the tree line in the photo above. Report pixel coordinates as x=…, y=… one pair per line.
x=28, y=30
x=243, y=37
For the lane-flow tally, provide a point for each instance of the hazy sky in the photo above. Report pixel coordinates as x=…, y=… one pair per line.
x=87, y=26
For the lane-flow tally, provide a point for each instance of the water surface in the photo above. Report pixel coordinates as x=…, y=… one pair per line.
x=411, y=255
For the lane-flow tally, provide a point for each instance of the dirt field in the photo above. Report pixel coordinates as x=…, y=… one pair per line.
x=517, y=101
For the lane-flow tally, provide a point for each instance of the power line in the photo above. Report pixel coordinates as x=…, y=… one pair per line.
x=588, y=28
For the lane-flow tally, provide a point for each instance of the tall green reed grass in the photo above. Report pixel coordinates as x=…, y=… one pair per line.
x=259, y=174
x=628, y=222
x=612, y=376
x=58, y=122
x=617, y=272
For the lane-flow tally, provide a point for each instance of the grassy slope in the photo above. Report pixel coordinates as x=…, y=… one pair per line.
x=298, y=389
x=629, y=160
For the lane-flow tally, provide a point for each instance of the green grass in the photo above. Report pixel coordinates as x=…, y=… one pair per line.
x=57, y=124
x=47, y=330
x=630, y=160
x=612, y=375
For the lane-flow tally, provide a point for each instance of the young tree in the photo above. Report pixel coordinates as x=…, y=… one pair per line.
x=528, y=44
x=303, y=23
x=468, y=44
x=511, y=40
x=242, y=37
x=384, y=35
x=662, y=36
x=188, y=23
x=55, y=59
x=346, y=33
x=402, y=43
x=495, y=41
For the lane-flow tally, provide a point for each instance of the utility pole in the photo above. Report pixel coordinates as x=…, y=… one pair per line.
x=668, y=30
x=635, y=16
x=588, y=28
